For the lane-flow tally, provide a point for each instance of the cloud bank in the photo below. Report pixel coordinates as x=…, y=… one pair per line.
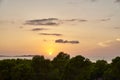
x=66, y=41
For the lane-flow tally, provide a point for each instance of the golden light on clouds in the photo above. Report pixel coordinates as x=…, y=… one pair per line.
x=118, y=39
x=105, y=43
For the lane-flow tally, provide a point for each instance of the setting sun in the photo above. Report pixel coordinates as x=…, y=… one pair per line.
x=50, y=53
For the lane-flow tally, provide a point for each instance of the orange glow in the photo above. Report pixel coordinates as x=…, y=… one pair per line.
x=50, y=53
x=49, y=48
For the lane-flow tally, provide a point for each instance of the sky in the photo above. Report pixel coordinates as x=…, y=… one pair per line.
x=46, y=27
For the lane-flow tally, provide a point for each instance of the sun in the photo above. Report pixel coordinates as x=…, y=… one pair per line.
x=50, y=53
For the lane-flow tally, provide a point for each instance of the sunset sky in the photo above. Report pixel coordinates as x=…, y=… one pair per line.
x=46, y=27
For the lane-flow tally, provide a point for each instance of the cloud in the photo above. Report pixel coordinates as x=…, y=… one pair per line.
x=38, y=29
x=109, y=42
x=108, y=50
x=118, y=39
x=117, y=1
x=106, y=53
x=51, y=34
x=47, y=22
x=82, y=20
x=52, y=21
x=105, y=43
x=116, y=27
x=106, y=19
x=77, y=20
x=66, y=41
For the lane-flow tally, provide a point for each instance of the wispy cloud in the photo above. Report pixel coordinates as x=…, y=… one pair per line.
x=118, y=39
x=51, y=34
x=75, y=20
x=39, y=29
x=116, y=27
x=105, y=19
x=109, y=42
x=52, y=21
x=47, y=22
x=66, y=41
x=117, y=1
x=105, y=43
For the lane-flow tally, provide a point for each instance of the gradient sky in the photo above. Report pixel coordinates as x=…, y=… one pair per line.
x=45, y=27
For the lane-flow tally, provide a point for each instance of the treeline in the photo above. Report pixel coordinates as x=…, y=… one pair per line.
x=62, y=67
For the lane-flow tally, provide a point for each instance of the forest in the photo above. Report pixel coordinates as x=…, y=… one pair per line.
x=62, y=67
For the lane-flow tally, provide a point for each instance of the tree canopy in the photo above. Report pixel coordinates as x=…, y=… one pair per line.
x=62, y=67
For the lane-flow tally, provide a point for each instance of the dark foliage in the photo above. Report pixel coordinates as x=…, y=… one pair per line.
x=60, y=68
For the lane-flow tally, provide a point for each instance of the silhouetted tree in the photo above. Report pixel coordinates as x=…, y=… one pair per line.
x=59, y=63
x=99, y=68
x=60, y=68
x=77, y=69
x=116, y=68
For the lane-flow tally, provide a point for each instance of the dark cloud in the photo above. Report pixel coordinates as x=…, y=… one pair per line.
x=78, y=20
x=51, y=34
x=47, y=22
x=66, y=41
x=38, y=29
x=52, y=21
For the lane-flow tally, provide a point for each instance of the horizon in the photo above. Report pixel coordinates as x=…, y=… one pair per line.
x=89, y=28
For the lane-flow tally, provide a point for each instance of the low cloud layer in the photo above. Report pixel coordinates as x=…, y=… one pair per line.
x=66, y=41
x=51, y=34
x=39, y=29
